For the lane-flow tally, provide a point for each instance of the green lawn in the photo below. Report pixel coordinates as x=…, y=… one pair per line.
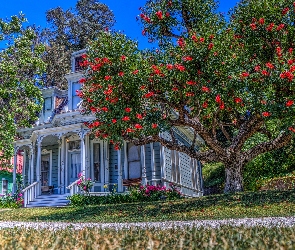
x=250, y=204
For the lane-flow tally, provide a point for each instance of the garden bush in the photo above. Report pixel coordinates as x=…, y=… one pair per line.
x=11, y=201
x=136, y=194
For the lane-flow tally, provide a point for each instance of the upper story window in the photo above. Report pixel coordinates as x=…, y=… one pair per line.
x=78, y=60
x=47, y=108
x=75, y=99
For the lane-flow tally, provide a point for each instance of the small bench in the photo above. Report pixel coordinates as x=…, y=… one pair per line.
x=47, y=189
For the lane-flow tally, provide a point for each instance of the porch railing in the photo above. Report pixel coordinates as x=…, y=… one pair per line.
x=31, y=192
x=74, y=189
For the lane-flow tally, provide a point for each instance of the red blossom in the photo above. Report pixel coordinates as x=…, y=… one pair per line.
x=261, y=21
x=289, y=103
x=154, y=125
x=117, y=146
x=238, y=100
x=138, y=126
x=205, y=89
x=139, y=116
x=218, y=98
x=257, y=68
x=285, y=11
x=210, y=46
x=107, y=78
x=269, y=65
x=202, y=39
x=89, y=100
x=175, y=89
x=142, y=87
x=266, y=114
x=292, y=129
x=280, y=27
x=253, y=26
x=180, y=67
x=123, y=58
x=270, y=27
x=149, y=94
x=194, y=38
x=128, y=110
x=126, y=118
x=287, y=75
x=265, y=73
x=135, y=72
x=205, y=105
x=187, y=58
x=189, y=94
x=105, y=109
x=169, y=66
x=191, y=82
x=181, y=42
x=159, y=14
x=146, y=18
x=129, y=130
x=84, y=56
x=245, y=74
x=167, y=14
x=121, y=73
x=279, y=51
x=114, y=120
x=82, y=80
x=221, y=105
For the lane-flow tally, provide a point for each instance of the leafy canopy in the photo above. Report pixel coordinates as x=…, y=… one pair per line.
x=20, y=66
x=233, y=77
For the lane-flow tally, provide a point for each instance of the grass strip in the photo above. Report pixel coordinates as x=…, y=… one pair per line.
x=251, y=205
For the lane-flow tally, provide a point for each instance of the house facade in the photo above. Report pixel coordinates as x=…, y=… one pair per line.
x=59, y=146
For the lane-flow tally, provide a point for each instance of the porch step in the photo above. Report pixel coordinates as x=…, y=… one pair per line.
x=50, y=200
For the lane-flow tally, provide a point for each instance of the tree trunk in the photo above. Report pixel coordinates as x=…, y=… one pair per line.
x=233, y=178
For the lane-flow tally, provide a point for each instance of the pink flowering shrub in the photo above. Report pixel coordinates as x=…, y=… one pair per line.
x=84, y=184
x=153, y=193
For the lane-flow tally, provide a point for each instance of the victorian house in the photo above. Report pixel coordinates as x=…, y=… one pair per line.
x=58, y=147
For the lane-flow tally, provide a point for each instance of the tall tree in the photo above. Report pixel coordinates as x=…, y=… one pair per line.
x=20, y=68
x=234, y=78
x=70, y=31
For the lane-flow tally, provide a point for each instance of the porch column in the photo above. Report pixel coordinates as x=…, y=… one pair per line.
x=120, y=179
x=62, y=166
x=83, y=165
x=153, y=167
x=14, y=187
x=58, y=165
x=32, y=162
x=87, y=157
x=163, y=164
x=29, y=165
x=38, y=164
x=24, y=169
x=143, y=167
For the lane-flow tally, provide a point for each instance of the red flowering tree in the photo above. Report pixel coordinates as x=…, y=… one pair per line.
x=228, y=81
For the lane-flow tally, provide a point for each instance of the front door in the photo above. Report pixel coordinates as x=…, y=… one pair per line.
x=75, y=166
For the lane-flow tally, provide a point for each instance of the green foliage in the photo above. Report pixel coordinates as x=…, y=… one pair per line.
x=20, y=67
x=213, y=175
x=70, y=30
x=225, y=237
x=137, y=194
x=241, y=205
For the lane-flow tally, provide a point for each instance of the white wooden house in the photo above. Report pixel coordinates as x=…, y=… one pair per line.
x=59, y=146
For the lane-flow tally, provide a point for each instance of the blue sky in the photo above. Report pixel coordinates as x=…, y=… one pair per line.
x=125, y=13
